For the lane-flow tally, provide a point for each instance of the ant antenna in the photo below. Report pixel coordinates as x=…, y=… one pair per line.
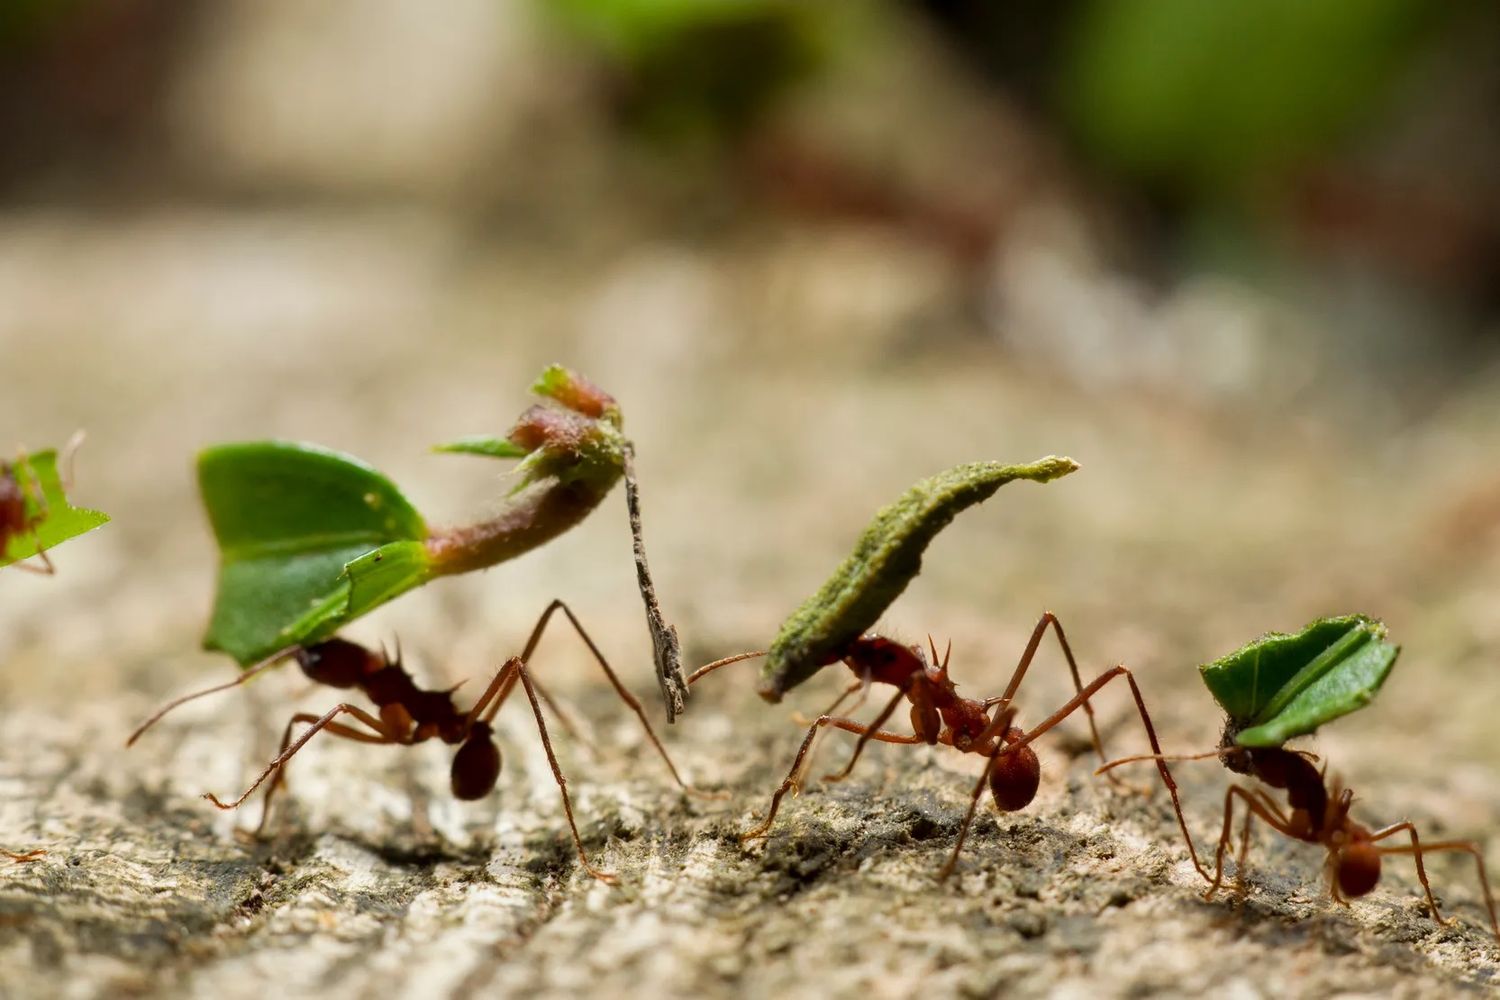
x=244, y=677
x=1156, y=757
x=709, y=668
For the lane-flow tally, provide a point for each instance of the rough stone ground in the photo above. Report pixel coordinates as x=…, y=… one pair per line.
x=780, y=387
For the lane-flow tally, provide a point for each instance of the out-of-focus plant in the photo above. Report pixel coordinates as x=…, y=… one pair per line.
x=699, y=70
x=1205, y=97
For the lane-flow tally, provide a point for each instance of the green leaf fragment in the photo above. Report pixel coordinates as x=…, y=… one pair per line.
x=481, y=444
x=44, y=498
x=289, y=518
x=1283, y=686
x=886, y=558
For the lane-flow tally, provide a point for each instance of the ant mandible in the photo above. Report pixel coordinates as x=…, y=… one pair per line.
x=939, y=714
x=407, y=714
x=1316, y=814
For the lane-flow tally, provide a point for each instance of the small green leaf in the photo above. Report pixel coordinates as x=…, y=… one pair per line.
x=480, y=444
x=56, y=520
x=886, y=558
x=1283, y=686
x=289, y=518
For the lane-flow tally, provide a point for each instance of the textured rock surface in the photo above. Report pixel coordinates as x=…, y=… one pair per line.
x=1188, y=530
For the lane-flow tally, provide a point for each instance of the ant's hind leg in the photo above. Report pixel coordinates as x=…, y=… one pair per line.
x=1417, y=849
x=517, y=667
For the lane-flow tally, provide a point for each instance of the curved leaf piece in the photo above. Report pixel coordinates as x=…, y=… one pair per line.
x=43, y=496
x=484, y=445
x=886, y=558
x=289, y=518
x=1283, y=686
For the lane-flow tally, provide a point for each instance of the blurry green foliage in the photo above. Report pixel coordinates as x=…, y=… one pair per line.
x=700, y=69
x=1205, y=95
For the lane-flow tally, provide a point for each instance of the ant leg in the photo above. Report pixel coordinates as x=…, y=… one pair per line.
x=244, y=677
x=19, y=858
x=46, y=569
x=320, y=723
x=848, y=725
x=279, y=780
x=518, y=667
x=1000, y=724
x=1417, y=849
x=1048, y=618
x=1256, y=807
x=614, y=680
x=1081, y=700
x=865, y=737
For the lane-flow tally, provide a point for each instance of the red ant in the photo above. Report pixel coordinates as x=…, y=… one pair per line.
x=406, y=715
x=1315, y=814
x=939, y=714
x=18, y=858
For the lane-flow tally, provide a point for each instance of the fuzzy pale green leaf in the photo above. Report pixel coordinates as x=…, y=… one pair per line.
x=482, y=444
x=1282, y=686
x=886, y=558
x=59, y=520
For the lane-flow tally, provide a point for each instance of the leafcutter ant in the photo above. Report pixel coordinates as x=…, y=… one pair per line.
x=406, y=714
x=939, y=714
x=1316, y=813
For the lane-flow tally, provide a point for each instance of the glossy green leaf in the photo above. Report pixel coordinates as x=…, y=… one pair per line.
x=289, y=518
x=56, y=520
x=886, y=558
x=1283, y=686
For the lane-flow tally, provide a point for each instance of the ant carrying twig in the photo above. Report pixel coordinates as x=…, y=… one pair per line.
x=406, y=715
x=939, y=714
x=1316, y=814
x=23, y=505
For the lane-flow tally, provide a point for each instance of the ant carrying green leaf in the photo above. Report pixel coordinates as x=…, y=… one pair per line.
x=832, y=627
x=1280, y=687
x=34, y=510
x=406, y=715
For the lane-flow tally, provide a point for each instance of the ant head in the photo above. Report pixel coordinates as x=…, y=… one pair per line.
x=476, y=766
x=1358, y=867
x=1015, y=776
x=335, y=662
x=885, y=660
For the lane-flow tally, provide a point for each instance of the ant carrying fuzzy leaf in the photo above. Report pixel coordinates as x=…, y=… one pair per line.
x=832, y=626
x=311, y=539
x=34, y=510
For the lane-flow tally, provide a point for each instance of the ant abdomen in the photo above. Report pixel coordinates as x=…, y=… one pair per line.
x=1015, y=776
x=337, y=663
x=476, y=766
x=1358, y=869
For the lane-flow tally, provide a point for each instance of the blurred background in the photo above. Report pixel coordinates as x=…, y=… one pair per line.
x=1240, y=259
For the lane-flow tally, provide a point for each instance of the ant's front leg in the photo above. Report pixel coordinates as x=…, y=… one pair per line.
x=792, y=777
x=1417, y=849
x=333, y=729
x=319, y=723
